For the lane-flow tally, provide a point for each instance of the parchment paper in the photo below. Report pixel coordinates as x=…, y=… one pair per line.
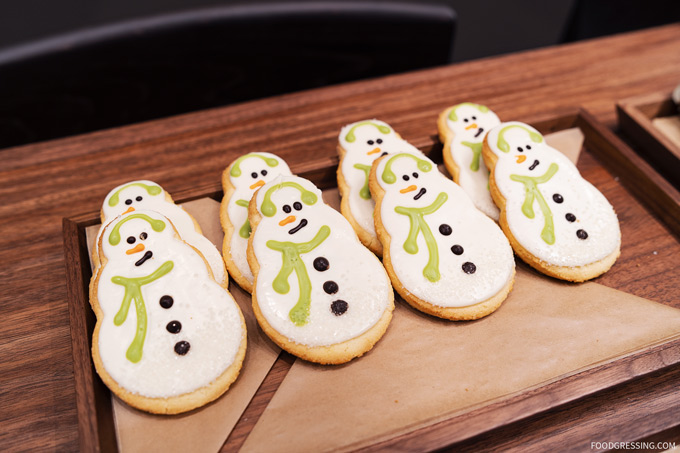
x=670, y=127
x=425, y=369
x=205, y=429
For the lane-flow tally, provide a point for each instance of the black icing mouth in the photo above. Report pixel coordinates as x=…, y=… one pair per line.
x=420, y=193
x=301, y=225
x=142, y=260
x=481, y=129
x=534, y=165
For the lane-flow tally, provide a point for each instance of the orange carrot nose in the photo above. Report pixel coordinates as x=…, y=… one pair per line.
x=521, y=158
x=472, y=126
x=410, y=188
x=373, y=151
x=135, y=249
x=130, y=209
x=287, y=220
x=260, y=183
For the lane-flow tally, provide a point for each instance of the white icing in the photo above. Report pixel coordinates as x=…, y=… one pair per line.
x=358, y=153
x=179, y=217
x=244, y=191
x=593, y=212
x=482, y=240
x=209, y=317
x=471, y=126
x=361, y=278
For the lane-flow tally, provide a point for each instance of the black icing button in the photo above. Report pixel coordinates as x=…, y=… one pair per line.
x=557, y=198
x=321, y=264
x=339, y=307
x=581, y=234
x=457, y=249
x=174, y=326
x=445, y=229
x=570, y=217
x=166, y=301
x=182, y=347
x=469, y=268
x=330, y=287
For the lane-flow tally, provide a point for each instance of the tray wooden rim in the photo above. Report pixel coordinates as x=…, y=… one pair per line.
x=635, y=117
x=95, y=418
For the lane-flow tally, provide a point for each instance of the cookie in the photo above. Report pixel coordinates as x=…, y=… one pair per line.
x=555, y=220
x=318, y=292
x=462, y=129
x=240, y=180
x=168, y=337
x=359, y=144
x=444, y=256
x=136, y=195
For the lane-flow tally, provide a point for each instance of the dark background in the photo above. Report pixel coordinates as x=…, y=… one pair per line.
x=73, y=66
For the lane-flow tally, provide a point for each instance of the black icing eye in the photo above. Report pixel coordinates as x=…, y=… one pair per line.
x=370, y=142
x=405, y=178
x=143, y=236
x=466, y=120
x=139, y=198
x=474, y=118
x=286, y=209
x=415, y=175
x=519, y=148
x=128, y=201
x=263, y=172
x=254, y=174
x=528, y=146
x=131, y=240
x=297, y=205
x=379, y=141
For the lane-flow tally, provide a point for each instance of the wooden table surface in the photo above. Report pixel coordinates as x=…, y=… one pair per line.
x=42, y=183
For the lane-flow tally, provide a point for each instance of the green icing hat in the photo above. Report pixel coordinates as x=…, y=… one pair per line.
x=388, y=175
x=454, y=117
x=503, y=144
x=236, y=168
x=156, y=225
x=268, y=207
x=151, y=190
x=351, y=138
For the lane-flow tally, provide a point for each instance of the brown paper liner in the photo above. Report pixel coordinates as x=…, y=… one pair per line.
x=425, y=370
x=206, y=428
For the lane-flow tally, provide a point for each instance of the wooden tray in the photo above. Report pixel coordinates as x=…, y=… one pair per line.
x=635, y=121
x=96, y=425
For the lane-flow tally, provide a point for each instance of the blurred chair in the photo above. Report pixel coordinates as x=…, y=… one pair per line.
x=165, y=65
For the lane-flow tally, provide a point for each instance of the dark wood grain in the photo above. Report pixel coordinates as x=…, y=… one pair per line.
x=43, y=183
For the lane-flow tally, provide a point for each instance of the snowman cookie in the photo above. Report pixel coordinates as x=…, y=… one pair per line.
x=318, y=292
x=240, y=180
x=462, y=129
x=359, y=144
x=136, y=195
x=444, y=256
x=168, y=337
x=555, y=220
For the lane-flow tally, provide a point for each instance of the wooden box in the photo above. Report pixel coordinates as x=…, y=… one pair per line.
x=604, y=148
